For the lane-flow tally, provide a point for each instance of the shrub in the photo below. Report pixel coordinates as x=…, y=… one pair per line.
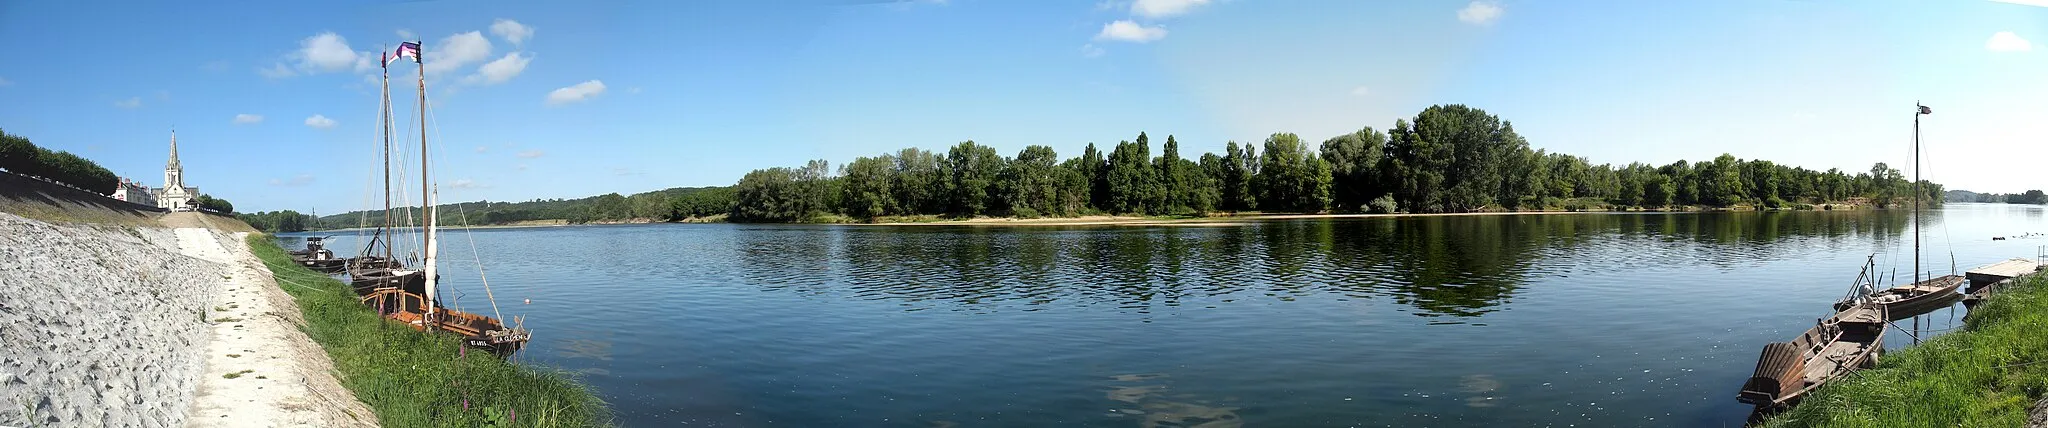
x=1383, y=205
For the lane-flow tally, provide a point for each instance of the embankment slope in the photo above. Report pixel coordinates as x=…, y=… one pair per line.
x=115, y=315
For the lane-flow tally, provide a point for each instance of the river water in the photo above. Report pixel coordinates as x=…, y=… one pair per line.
x=1506, y=320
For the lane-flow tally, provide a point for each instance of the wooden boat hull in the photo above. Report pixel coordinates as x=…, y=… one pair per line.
x=1907, y=301
x=1842, y=343
x=477, y=331
x=366, y=281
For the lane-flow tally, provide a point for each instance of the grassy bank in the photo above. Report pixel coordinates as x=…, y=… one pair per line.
x=1986, y=375
x=414, y=379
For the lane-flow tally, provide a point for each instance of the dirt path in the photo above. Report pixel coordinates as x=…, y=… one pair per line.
x=261, y=371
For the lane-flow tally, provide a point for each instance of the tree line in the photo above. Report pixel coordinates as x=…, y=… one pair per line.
x=1447, y=158
x=673, y=204
x=20, y=156
x=2030, y=197
x=279, y=221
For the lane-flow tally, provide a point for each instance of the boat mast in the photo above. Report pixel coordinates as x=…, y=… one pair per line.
x=386, y=119
x=1917, y=111
x=427, y=196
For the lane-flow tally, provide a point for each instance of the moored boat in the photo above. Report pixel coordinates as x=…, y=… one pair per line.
x=1835, y=346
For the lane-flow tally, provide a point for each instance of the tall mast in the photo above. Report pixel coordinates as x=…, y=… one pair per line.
x=383, y=232
x=1917, y=111
x=427, y=195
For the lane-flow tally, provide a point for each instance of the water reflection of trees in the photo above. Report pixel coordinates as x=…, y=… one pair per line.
x=1454, y=266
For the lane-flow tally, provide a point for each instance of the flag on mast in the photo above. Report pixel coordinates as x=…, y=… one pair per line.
x=1925, y=110
x=407, y=49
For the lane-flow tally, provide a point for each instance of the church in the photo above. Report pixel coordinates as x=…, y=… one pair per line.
x=175, y=196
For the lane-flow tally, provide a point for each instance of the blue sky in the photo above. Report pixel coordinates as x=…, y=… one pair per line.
x=276, y=105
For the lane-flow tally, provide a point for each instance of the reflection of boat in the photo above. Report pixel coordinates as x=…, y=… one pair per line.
x=410, y=295
x=1848, y=340
x=317, y=257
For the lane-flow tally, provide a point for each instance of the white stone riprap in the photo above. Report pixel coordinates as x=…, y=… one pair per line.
x=99, y=326
x=134, y=327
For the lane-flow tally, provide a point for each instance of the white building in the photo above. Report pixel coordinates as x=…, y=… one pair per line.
x=134, y=192
x=175, y=196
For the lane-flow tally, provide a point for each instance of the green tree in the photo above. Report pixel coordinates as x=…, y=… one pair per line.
x=1032, y=182
x=867, y=186
x=1294, y=178
x=974, y=169
x=1132, y=180
x=1353, y=158
x=1234, y=180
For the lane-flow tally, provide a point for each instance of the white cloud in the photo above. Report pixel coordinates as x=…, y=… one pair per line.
x=1480, y=13
x=319, y=122
x=1164, y=8
x=530, y=154
x=633, y=90
x=512, y=31
x=245, y=118
x=457, y=51
x=576, y=93
x=2006, y=41
x=277, y=71
x=5, y=82
x=1361, y=91
x=1127, y=31
x=465, y=183
x=1091, y=50
x=2041, y=3
x=483, y=149
x=131, y=102
x=501, y=70
x=407, y=35
x=295, y=181
x=326, y=52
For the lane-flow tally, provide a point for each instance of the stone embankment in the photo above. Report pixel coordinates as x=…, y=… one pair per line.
x=121, y=325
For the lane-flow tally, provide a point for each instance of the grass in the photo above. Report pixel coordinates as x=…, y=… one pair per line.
x=236, y=374
x=415, y=379
x=1986, y=375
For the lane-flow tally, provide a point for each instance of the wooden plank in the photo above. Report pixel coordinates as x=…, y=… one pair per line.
x=2001, y=271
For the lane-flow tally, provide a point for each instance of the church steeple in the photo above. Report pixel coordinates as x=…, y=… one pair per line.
x=174, y=150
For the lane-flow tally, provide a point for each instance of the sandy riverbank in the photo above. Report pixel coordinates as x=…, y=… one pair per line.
x=117, y=325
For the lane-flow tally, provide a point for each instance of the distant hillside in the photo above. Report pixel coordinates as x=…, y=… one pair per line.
x=2030, y=197
x=673, y=204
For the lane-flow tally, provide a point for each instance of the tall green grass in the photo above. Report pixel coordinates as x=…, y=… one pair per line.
x=416, y=379
x=1986, y=375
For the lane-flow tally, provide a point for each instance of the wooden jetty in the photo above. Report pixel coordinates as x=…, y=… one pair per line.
x=1986, y=279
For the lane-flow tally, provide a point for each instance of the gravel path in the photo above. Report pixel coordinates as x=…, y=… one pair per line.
x=261, y=370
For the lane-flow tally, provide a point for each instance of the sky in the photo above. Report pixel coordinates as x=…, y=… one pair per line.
x=275, y=104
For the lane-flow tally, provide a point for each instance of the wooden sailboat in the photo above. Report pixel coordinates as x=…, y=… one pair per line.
x=376, y=266
x=1922, y=295
x=411, y=295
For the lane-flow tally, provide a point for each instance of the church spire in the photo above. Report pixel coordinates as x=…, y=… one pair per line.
x=174, y=150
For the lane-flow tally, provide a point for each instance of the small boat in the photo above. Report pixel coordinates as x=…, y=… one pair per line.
x=1910, y=300
x=317, y=257
x=1839, y=344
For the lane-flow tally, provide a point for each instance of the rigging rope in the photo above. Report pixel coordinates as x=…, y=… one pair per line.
x=466, y=233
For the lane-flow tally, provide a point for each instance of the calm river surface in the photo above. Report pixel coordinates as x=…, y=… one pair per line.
x=1517, y=320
